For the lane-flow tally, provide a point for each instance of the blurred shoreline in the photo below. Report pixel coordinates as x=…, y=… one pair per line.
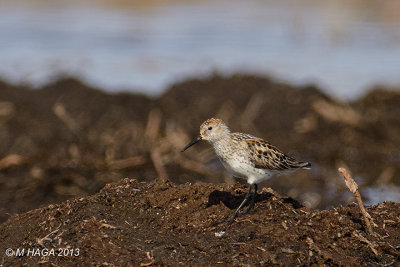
x=345, y=47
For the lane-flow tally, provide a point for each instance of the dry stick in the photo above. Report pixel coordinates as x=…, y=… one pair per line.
x=61, y=112
x=252, y=109
x=41, y=241
x=10, y=160
x=158, y=164
x=353, y=187
x=152, y=261
x=336, y=112
x=127, y=162
x=152, y=130
x=371, y=245
x=151, y=133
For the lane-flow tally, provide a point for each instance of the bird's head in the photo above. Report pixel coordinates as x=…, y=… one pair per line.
x=210, y=130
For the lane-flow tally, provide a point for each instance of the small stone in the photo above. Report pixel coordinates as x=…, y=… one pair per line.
x=219, y=234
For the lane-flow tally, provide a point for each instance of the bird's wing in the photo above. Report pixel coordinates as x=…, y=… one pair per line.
x=266, y=156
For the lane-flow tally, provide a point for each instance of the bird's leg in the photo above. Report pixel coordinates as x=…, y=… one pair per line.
x=240, y=206
x=253, y=199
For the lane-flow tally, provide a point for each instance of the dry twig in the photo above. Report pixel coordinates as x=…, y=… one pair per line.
x=151, y=262
x=369, y=243
x=10, y=160
x=153, y=125
x=252, y=109
x=151, y=133
x=353, y=187
x=41, y=241
x=126, y=162
x=158, y=164
x=337, y=113
x=61, y=112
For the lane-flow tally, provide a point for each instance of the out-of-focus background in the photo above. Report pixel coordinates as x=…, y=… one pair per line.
x=319, y=79
x=343, y=46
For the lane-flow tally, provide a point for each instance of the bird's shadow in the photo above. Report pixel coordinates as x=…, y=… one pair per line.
x=233, y=202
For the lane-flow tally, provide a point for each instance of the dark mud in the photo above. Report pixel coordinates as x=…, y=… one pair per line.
x=130, y=223
x=67, y=140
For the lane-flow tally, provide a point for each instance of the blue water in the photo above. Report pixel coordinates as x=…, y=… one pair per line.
x=382, y=193
x=344, y=49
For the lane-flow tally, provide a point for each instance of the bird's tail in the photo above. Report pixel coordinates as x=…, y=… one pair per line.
x=294, y=164
x=304, y=165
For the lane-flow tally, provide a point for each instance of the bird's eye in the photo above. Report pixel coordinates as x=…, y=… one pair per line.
x=210, y=128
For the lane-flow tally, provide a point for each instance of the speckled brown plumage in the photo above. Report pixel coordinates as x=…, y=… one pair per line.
x=266, y=156
x=246, y=156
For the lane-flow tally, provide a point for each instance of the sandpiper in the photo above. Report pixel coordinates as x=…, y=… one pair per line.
x=246, y=156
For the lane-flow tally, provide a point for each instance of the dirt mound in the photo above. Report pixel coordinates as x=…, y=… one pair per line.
x=162, y=223
x=67, y=140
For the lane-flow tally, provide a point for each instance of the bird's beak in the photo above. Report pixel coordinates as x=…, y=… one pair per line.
x=196, y=140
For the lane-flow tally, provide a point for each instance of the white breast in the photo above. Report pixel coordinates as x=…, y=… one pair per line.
x=235, y=167
x=240, y=168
